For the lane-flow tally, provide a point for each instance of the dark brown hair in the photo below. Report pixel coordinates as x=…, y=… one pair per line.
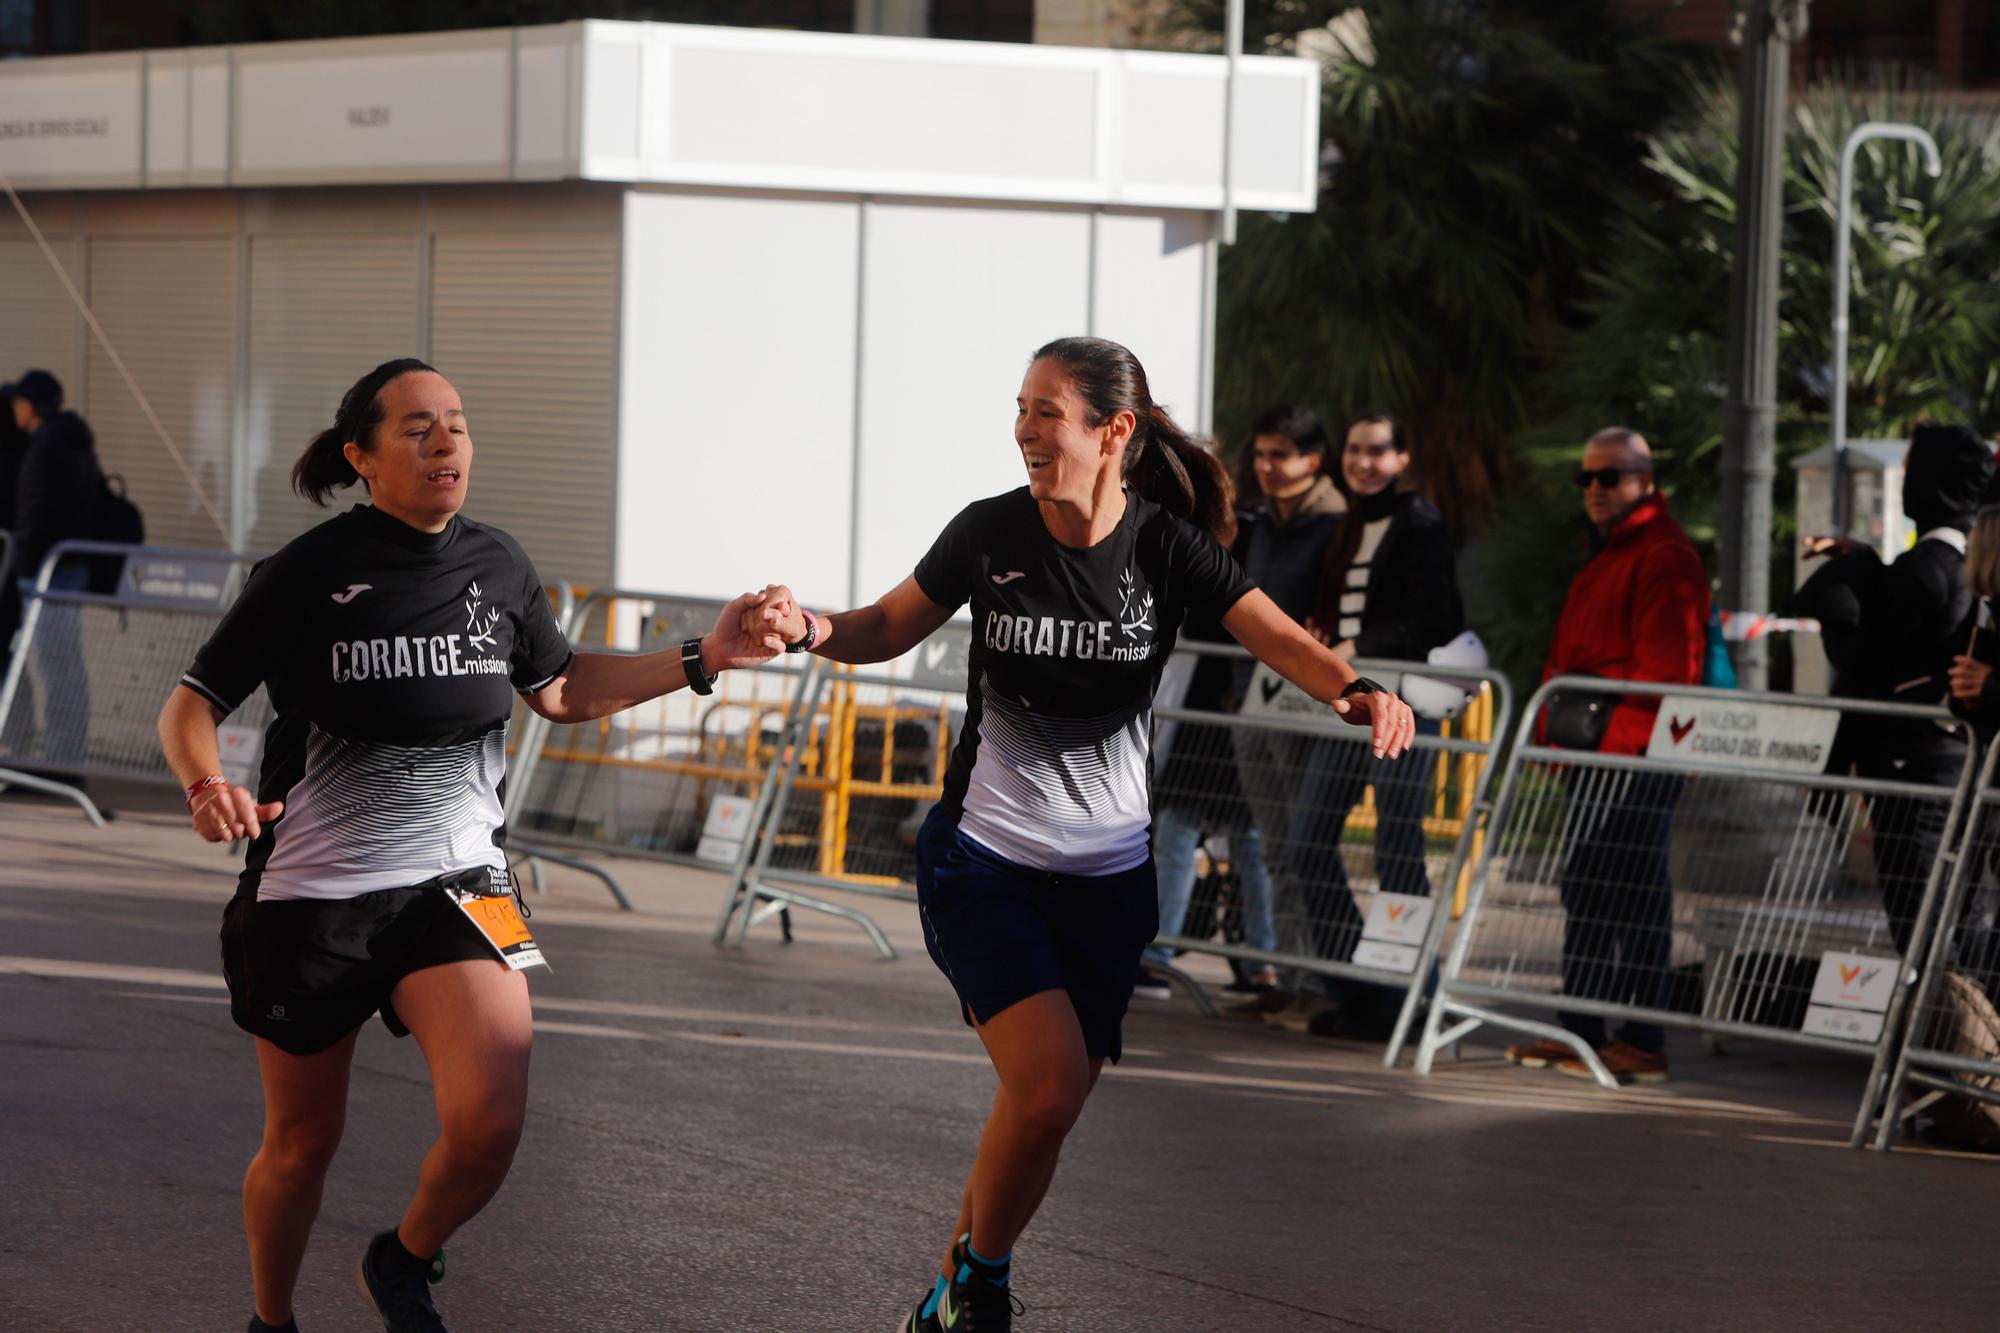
x=1161, y=462
x=323, y=468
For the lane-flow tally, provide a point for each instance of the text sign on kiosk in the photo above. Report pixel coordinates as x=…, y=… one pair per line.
x=1772, y=738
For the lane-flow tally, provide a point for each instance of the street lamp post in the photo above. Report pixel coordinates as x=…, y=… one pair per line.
x=1749, y=427
x=1842, y=230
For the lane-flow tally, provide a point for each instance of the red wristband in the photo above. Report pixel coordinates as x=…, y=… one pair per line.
x=212, y=780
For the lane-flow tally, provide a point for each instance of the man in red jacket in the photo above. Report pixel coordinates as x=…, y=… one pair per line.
x=1638, y=610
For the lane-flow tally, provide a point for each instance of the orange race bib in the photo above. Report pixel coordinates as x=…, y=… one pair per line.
x=499, y=920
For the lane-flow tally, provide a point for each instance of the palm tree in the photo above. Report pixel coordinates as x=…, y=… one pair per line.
x=1924, y=338
x=1473, y=154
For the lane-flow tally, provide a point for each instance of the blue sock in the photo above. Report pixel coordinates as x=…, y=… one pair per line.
x=937, y=1294
x=995, y=1271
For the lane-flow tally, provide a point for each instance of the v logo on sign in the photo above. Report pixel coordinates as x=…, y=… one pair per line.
x=1848, y=974
x=1271, y=688
x=1396, y=910
x=1679, y=728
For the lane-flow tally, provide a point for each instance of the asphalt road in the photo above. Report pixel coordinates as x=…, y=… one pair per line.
x=775, y=1139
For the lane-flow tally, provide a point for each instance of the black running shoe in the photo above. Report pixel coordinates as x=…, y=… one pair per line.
x=919, y=1322
x=400, y=1296
x=259, y=1326
x=977, y=1306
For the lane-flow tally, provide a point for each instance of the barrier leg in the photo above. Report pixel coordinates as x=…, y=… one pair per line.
x=1187, y=983
x=585, y=867
x=741, y=895
x=1546, y=1031
x=13, y=778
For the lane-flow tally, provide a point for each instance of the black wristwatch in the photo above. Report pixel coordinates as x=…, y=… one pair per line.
x=697, y=675
x=1362, y=685
x=808, y=639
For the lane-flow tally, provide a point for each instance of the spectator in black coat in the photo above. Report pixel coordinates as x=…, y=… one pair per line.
x=1388, y=588
x=56, y=497
x=55, y=501
x=1281, y=540
x=1891, y=633
x=13, y=449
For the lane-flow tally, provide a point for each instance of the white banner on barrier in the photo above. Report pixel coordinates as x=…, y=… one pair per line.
x=1777, y=738
x=1271, y=695
x=1850, y=995
x=722, y=832
x=240, y=747
x=1392, y=938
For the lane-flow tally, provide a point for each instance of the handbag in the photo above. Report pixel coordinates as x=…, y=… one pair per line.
x=1578, y=721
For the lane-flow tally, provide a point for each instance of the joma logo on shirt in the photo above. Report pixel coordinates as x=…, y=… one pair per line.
x=1046, y=636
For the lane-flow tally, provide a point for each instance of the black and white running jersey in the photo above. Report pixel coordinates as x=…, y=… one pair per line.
x=1053, y=767
x=391, y=657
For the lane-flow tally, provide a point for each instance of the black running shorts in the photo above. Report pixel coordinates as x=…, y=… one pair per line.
x=1001, y=931
x=303, y=973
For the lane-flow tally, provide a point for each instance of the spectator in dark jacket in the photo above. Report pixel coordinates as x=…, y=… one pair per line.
x=1892, y=634
x=13, y=449
x=1281, y=541
x=56, y=498
x=55, y=501
x=1638, y=610
x=1975, y=696
x=1387, y=589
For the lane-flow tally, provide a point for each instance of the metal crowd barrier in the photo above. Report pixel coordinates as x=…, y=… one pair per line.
x=851, y=790
x=1723, y=881
x=82, y=694
x=653, y=781
x=1951, y=1043
x=850, y=824
x=1352, y=855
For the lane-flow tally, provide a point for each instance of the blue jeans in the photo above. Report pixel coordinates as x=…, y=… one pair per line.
x=60, y=680
x=1176, y=834
x=1301, y=790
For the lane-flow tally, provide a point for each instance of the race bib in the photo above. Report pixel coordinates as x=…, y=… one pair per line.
x=499, y=920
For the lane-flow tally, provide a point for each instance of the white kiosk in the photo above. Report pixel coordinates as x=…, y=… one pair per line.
x=693, y=282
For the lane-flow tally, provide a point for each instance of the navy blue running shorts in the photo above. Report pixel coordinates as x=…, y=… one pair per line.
x=1001, y=931
x=305, y=972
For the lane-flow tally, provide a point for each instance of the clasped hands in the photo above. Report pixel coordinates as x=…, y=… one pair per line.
x=753, y=629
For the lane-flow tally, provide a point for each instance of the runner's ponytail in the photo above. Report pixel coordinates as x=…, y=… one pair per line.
x=323, y=468
x=1161, y=462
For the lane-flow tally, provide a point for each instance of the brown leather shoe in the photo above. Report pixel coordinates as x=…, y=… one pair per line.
x=1540, y=1054
x=1264, y=1002
x=1625, y=1062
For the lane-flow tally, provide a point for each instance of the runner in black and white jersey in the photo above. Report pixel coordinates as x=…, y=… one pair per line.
x=391, y=640
x=1034, y=873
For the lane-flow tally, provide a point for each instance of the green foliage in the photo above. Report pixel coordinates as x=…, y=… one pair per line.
x=1652, y=354
x=1475, y=155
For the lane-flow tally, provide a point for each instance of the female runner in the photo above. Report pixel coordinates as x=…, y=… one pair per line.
x=1034, y=873
x=391, y=639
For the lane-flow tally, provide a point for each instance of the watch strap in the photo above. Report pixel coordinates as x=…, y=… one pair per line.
x=698, y=678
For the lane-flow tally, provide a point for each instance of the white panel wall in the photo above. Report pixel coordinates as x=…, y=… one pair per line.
x=956, y=301
x=41, y=327
x=672, y=104
x=737, y=402
x=324, y=310
x=169, y=306
x=1147, y=294
x=526, y=326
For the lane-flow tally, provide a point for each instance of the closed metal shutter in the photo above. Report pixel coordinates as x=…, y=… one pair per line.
x=525, y=326
x=169, y=307
x=38, y=322
x=323, y=311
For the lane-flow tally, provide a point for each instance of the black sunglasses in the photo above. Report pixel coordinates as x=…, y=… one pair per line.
x=1607, y=477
